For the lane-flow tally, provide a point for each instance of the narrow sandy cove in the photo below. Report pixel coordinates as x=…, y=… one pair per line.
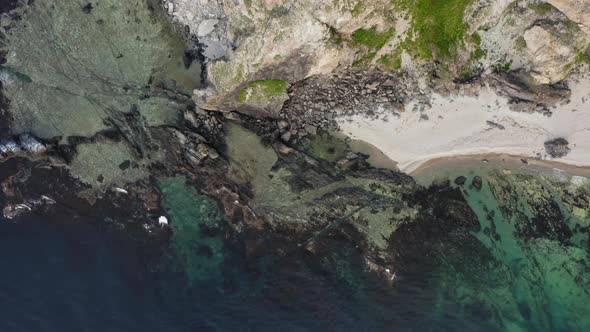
x=458, y=126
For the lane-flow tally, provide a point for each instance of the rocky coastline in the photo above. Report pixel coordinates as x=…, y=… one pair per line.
x=264, y=152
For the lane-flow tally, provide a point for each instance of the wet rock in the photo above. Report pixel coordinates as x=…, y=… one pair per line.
x=9, y=146
x=213, y=154
x=23, y=145
x=283, y=124
x=286, y=136
x=460, y=180
x=180, y=137
x=311, y=129
x=557, y=148
x=477, y=182
x=191, y=119
x=197, y=153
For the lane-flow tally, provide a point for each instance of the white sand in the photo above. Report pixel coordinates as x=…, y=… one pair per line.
x=457, y=126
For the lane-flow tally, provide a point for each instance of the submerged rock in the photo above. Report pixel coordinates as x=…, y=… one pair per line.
x=460, y=180
x=477, y=182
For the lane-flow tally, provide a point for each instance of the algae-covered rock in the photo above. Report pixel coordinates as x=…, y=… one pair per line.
x=267, y=96
x=71, y=71
x=106, y=164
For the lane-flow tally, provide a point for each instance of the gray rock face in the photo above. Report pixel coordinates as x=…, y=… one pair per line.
x=557, y=148
x=207, y=21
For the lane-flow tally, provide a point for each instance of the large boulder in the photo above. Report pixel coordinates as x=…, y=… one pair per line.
x=534, y=37
x=557, y=148
x=551, y=49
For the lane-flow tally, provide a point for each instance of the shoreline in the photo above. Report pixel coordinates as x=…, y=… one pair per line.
x=428, y=169
x=502, y=159
x=478, y=126
x=434, y=168
x=420, y=166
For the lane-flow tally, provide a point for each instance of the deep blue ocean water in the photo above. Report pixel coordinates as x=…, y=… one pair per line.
x=58, y=277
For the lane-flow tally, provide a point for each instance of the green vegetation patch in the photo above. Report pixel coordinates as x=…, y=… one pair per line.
x=583, y=57
x=542, y=8
x=262, y=91
x=391, y=61
x=438, y=24
x=358, y=9
x=372, y=40
x=503, y=64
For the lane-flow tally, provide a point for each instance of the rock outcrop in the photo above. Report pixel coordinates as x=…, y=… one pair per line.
x=253, y=40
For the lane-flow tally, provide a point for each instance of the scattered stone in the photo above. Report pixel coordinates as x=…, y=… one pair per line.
x=311, y=129
x=191, y=119
x=495, y=125
x=12, y=211
x=121, y=190
x=557, y=148
x=196, y=154
x=283, y=124
x=9, y=146
x=286, y=136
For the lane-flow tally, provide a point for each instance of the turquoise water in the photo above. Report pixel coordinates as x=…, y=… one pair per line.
x=83, y=277
x=542, y=278
x=197, y=229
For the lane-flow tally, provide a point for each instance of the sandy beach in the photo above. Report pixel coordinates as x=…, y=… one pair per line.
x=462, y=125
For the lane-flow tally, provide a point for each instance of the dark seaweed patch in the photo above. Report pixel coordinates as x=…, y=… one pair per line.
x=88, y=8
